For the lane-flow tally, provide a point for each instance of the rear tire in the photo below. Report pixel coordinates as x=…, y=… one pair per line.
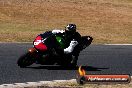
x=25, y=60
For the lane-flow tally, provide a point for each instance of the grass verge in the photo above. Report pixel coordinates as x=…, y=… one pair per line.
x=107, y=21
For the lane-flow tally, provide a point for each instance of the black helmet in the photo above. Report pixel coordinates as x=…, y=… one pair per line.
x=70, y=28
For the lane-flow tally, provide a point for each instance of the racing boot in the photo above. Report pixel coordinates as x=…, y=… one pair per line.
x=74, y=61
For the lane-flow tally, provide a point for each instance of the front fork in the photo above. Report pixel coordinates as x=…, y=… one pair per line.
x=33, y=53
x=36, y=56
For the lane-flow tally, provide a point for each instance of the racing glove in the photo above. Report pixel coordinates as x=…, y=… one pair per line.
x=71, y=47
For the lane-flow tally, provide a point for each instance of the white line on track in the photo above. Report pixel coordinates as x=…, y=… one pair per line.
x=119, y=44
x=32, y=42
x=17, y=42
x=37, y=84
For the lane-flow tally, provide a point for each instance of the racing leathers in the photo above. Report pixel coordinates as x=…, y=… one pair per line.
x=72, y=41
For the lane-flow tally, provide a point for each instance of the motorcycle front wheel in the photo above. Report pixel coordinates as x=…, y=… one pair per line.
x=25, y=60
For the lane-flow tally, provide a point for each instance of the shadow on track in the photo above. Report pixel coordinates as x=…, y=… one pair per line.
x=91, y=68
x=86, y=68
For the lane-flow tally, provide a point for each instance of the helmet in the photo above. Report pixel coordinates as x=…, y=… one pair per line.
x=70, y=28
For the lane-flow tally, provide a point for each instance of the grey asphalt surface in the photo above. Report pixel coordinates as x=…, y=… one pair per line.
x=96, y=59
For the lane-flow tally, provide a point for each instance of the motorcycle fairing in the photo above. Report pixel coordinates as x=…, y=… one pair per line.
x=39, y=45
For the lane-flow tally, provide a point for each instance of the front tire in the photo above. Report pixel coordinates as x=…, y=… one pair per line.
x=25, y=60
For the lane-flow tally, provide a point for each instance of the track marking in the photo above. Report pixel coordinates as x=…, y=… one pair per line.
x=32, y=42
x=36, y=84
x=39, y=83
x=119, y=44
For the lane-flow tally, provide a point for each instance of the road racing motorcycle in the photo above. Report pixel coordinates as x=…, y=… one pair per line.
x=43, y=51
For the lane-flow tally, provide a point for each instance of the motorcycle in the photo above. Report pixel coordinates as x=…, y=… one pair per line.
x=44, y=52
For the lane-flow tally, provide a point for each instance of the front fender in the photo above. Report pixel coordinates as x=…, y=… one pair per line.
x=32, y=50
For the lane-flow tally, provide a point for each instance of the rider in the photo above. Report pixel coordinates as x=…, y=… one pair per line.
x=72, y=38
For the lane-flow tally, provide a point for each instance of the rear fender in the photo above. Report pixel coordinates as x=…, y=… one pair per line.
x=87, y=40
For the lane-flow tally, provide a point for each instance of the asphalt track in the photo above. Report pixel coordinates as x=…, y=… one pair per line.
x=96, y=59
